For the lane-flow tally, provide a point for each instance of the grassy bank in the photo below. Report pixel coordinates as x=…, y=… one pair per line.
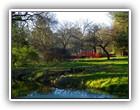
x=106, y=75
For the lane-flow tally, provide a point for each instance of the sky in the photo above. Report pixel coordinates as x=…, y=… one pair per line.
x=96, y=17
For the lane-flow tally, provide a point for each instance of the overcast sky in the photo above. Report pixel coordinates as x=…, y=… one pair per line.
x=96, y=17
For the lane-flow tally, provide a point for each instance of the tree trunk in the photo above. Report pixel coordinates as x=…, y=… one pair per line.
x=94, y=49
x=64, y=49
x=107, y=54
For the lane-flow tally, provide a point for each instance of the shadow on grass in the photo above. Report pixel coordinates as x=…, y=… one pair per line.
x=98, y=76
x=104, y=60
x=78, y=64
x=33, y=73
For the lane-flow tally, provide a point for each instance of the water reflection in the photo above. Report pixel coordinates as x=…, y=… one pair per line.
x=32, y=90
x=24, y=88
x=62, y=93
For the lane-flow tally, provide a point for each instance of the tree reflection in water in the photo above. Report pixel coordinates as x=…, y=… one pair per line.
x=20, y=88
x=36, y=90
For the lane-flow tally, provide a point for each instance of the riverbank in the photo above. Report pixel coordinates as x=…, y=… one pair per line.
x=106, y=75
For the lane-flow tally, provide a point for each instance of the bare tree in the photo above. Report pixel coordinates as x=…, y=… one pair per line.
x=101, y=37
x=92, y=39
x=84, y=26
x=64, y=35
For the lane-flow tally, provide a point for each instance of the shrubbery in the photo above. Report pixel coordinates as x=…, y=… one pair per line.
x=23, y=56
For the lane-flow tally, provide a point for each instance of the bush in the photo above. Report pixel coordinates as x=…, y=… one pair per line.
x=23, y=56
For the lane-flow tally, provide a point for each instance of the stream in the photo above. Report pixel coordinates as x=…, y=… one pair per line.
x=35, y=90
x=70, y=94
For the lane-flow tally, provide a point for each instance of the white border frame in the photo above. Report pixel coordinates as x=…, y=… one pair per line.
x=69, y=10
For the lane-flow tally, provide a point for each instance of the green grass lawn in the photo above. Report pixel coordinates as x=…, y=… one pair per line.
x=98, y=73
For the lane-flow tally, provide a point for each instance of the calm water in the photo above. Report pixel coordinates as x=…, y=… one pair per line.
x=31, y=90
x=62, y=93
